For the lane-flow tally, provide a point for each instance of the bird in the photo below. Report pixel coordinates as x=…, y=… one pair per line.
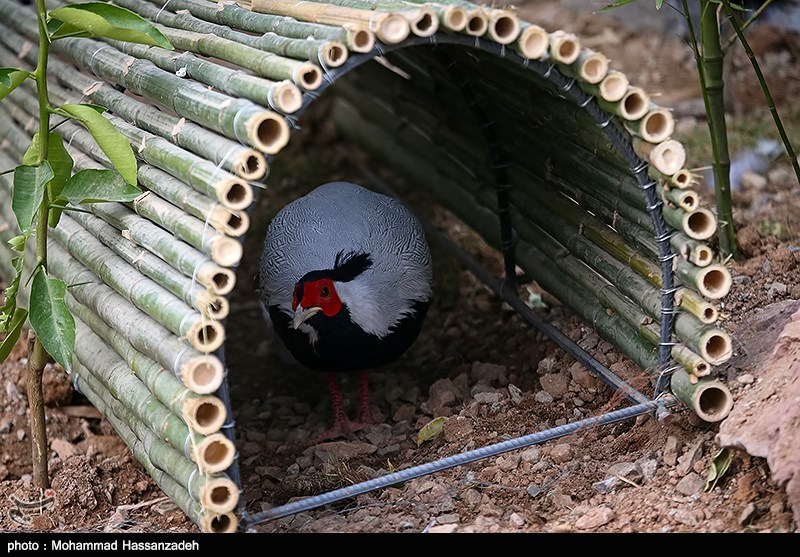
x=345, y=279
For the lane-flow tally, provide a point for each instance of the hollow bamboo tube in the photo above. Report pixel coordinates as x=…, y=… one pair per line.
x=203, y=414
x=713, y=281
x=656, y=126
x=590, y=66
x=452, y=18
x=504, y=27
x=610, y=89
x=668, y=157
x=217, y=494
x=477, y=22
x=201, y=373
x=688, y=200
x=239, y=119
x=682, y=179
x=692, y=250
x=711, y=401
x=204, y=334
x=633, y=105
x=700, y=224
x=391, y=28
x=533, y=42
x=564, y=47
x=212, y=453
x=358, y=38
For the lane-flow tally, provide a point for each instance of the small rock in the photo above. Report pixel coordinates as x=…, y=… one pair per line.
x=533, y=490
x=457, y=428
x=471, y=497
x=671, y=449
x=690, y=484
x=546, y=365
x=555, y=383
x=343, y=450
x=517, y=520
x=404, y=413
x=584, y=377
x=561, y=453
x=595, y=517
x=627, y=470
x=685, y=516
x=746, y=379
x=20, y=434
x=687, y=461
x=508, y=463
x=777, y=289
x=491, y=374
x=531, y=454
x=543, y=396
x=487, y=398
x=766, y=267
x=26, y=479
x=389, y=450
x=450, y=518
x=607, y=485
x=648, y=466
x=515, y=393
x=5, y=425
x=747, y=514
x=442, y=529
x=441, y=394
x=12, y=391
x=3, y=472
x=63, y=448
x=424, y=487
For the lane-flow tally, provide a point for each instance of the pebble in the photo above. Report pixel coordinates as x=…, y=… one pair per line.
x=425, y=487
x=685, y=517
x=746, y=379
x=628, y=470
x=20, y=434
x=543, y=396
x=515, y=393
x=555, y=383
x=517, y=520
x=533, y=490
x=450, y=518
x=689, y=458
x=648, y=466
x=487, y=398
x=747, y=514
x=471, y=497
x=389, y=450
x=777, y=288
x=531, y=454
x=508, y=463
x=671, y=449
x=595, y=517
x=547, y=365
x=561, y=453
x=343, y=450
x=441, y=394
x=690, y=484
x=5, y=425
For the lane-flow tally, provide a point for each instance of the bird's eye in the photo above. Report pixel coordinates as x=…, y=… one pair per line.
x=324, y=292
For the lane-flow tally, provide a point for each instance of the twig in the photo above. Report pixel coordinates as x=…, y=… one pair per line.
x=746, y=24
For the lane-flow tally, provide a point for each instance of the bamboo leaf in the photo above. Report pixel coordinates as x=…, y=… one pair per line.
x=616, y=4
x=430, y=430
x=29, y=187
x=14, y=329
x=60, y=30
x=96, y=186
x=111, y=141
x=101, y=19
x=60, y=162
x=51, y=319
x=17, y=243
x=10, y=80
x=659, y=3
x=719, y=466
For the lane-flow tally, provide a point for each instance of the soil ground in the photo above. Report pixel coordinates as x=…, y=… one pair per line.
x=476, y=363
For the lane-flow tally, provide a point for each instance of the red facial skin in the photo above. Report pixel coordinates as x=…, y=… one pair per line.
x=318, y=293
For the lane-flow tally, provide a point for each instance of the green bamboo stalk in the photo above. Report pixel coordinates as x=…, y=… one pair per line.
x=699, y=224
x=203, y=414
x=246, y=50
x=750, y=20
x=103, y=372
x=711, y=401
x=686, y=199
x=764, y=87
x=710, y=72
x=146, y=445
x=235, y=118
x=357, y=38
x=207, y=522
x=201, y=373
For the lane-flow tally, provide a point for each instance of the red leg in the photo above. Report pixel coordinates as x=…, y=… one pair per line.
x=364, y=412
x=342, y=426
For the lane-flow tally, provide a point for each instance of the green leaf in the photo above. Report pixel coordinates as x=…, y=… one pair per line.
x=101, y=19
x=616, y=4
x=11, y=80
x=59, y=30
x=659, y=3
x=51, y=319
x=10, y=304
x=719, y=466
x=60, y=162
x=15, y=328
x=430, y=430
x=96, y=186
x=29, y=186
x=17, y=243
x=110, y=140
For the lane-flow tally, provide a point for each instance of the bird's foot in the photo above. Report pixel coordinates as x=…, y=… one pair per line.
x=342, y=428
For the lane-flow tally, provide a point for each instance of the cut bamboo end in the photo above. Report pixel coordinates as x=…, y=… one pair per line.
x=359, y=39
x=226, y=251
x=214, y=453
x=219, y=495
x=217, y=279
x=667, y=157
x=693, y=363
x=454, y=18
x=235, y=194
x=564, y=47
x=503, y=27
x=657, y=125
x=533, y=42
x=701, y=255
x=613, y=86
x=689, y=301
x=715, y=346
x=203, y=375
x=204, y=414
x=393, y=29
x=683, y=179
x=333, y=54
x=218, y=308
x=714, y=281
x=710, y=400
x=592, y=66
x=634, y=104
x=477, y=23
x=268, y=132
x=286, y=97
x=235, y=223
x=206, y=335
x=251, y=164
x=308, y=76
x=688, y=200
x=423, y=21
x=226, y=523
x=699, y=224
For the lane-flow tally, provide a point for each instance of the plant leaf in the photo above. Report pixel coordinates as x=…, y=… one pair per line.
x=60, y=162
x=96, y=186
x=59, y=30
x=616, y=4
x=51, y=319
x=430, y=430
x=719, y=466
x=101, y=19
x=110, y=140
x=14, y=329
x=17, y=243
x=11, y=80
x=10, y=304
x=659, y=3
x=29, y=186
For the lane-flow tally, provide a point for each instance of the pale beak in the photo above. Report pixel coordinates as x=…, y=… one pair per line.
x=301, y=315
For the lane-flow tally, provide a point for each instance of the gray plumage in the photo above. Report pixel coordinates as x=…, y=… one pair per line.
x=340, y=218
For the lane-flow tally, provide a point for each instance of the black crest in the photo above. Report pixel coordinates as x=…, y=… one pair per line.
x=349, y=265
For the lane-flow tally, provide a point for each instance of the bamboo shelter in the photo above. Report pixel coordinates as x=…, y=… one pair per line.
x=530, y=138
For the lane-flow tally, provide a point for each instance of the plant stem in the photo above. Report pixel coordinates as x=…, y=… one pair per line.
x=746, y=24
x=38, y=357
x=767, y=95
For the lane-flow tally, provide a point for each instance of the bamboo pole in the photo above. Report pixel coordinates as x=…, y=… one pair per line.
x=711, y=403
x=533, y=42
x=564, y=47
x=217, y=494
x=239, y=119
x=220, y=41
x=610, y=89
x=421, y=18
x=358, y=38
x=656, y=126
x=668, y=157
x=633, y=105
x=203, y=414
x=207, y=521
x=389, y=27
